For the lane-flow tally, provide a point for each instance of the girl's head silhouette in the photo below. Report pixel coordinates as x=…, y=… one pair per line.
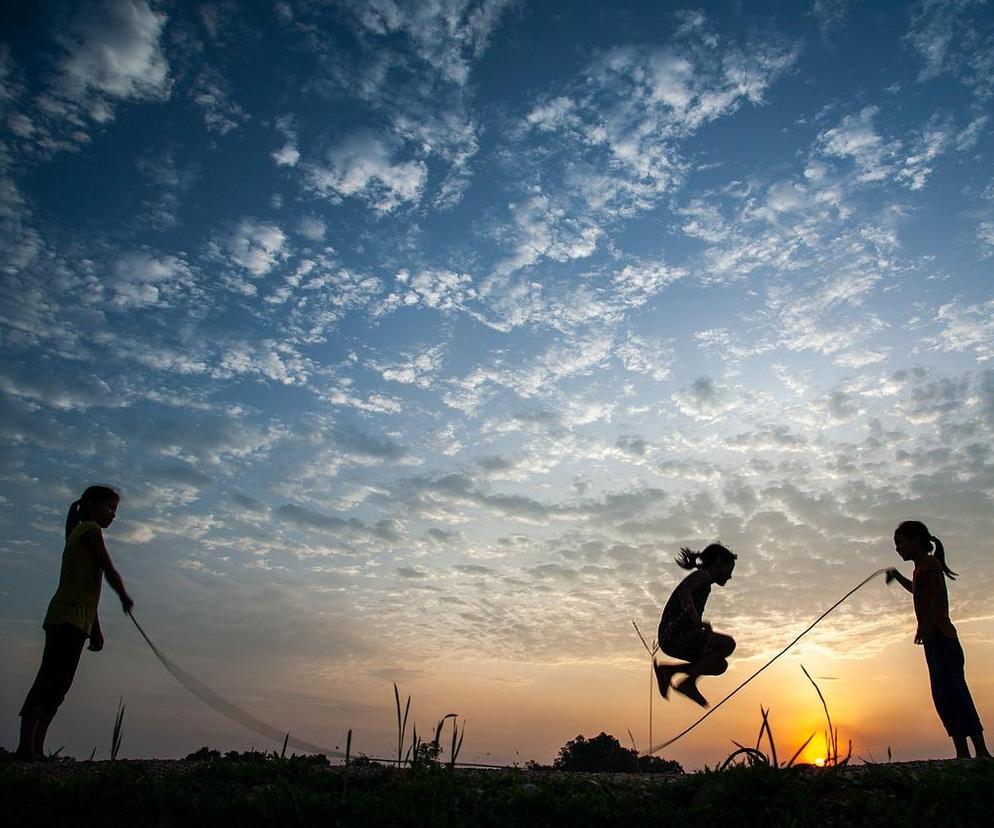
x=97, y=503
x=913, y=541
x=715, y=558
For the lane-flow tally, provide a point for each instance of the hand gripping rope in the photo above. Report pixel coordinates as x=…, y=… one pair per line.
x=682, y=733
x=226, y=708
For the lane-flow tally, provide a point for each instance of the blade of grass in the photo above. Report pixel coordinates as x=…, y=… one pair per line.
x=454, y=752
x=769, y=736
x=799, y=751
x=118, y=734
x=831, y=744
x=348, y=756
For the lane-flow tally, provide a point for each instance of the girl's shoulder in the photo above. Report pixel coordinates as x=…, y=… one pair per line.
x=83, y=528
x=696, y=579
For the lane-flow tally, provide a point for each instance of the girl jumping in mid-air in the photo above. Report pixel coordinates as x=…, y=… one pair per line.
x=683, y=632
x=943, y=653
x=72, y=613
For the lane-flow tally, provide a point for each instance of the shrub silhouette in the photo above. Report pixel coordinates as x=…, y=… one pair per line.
x=604, y=754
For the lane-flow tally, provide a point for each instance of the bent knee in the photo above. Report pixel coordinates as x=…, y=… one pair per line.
x=723, y=644
x=720, y=667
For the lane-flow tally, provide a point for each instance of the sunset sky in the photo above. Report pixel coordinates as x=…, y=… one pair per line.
x=419, y=336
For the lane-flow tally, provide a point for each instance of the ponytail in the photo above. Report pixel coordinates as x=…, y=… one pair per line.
x=917, y=529
x=710, y=554
x=72, y=519
x=93, y=494
x=687, y=559
x=940, y=553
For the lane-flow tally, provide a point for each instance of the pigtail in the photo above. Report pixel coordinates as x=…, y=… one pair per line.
x=72, y=518
x=688, y=558
x=940, y=553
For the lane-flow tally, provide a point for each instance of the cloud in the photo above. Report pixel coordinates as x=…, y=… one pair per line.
x=256, y=246
x=647, y=355
x=965, y=328
x=358, y=444
x=288, y=155
x=111, y=50
x=416, y=370
x=141, y=278
x=268, y=359
x=856, y=138
x=951, y=37
x=447, y=36
x=444, y=290
x=705, y=400
x=312, y=228
x=171, y=182
x=211, y=93
x=362, y=166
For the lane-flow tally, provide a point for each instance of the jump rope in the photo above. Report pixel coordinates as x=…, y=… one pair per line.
x=247, y=720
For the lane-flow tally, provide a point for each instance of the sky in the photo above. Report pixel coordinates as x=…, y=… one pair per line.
x=419, y=336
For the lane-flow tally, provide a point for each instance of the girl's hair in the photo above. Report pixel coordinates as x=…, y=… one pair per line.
x=93, y=494
x=711, y=554
x=917, y=529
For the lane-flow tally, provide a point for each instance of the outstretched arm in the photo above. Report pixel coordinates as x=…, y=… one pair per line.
x=94, y=541
x=894, y=575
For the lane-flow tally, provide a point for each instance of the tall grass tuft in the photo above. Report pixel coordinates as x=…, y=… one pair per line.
x=456, y=745
x=832, y=737
x=118, y=734
x=348, y=758
x=401, y=724
x=651, y=650
x=754, y=756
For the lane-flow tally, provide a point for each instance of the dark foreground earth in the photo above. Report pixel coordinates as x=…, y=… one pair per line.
x=304, y=791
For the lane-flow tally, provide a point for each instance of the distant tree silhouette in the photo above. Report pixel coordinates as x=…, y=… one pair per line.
x=604, y=754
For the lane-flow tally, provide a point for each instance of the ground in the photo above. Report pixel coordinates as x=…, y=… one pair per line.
x=300, y=791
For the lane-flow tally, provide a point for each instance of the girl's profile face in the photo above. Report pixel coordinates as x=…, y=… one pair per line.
x=910, y=547
x=103, y=512
x=722, y=573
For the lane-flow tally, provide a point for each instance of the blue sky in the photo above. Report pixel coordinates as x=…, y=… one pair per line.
x=419, y=336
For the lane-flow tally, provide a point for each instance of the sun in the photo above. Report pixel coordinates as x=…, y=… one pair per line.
x=820, y=762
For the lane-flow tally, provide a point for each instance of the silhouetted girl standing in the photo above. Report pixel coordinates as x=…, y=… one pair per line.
x=72, y=613
x=943, y=653
x=683, y=632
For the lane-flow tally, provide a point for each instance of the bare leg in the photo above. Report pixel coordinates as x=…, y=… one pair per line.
x=665, y=673
x=713, y=663
x=962, y=751
x=40, y=733
x=980, y=747
x=26, y=744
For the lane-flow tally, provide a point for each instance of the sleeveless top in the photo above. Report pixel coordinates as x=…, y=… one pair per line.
x=930, y=595
x=675, y=620
x=75, y=601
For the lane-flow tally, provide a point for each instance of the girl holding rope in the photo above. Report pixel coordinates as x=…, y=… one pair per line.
x=943, y=652
x=72, y=613
x=683, y=632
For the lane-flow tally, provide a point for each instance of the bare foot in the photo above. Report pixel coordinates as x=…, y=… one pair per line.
x=664, y=675
x=688, y=688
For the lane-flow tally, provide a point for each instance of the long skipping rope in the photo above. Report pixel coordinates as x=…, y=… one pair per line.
x=808, y=629
x=226, y=708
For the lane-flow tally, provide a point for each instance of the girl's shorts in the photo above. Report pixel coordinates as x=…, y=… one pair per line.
x=687, y=646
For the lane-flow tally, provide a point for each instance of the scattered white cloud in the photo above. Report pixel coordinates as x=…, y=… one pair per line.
x=256, y=246
x=362, y=167
x=212, y=94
